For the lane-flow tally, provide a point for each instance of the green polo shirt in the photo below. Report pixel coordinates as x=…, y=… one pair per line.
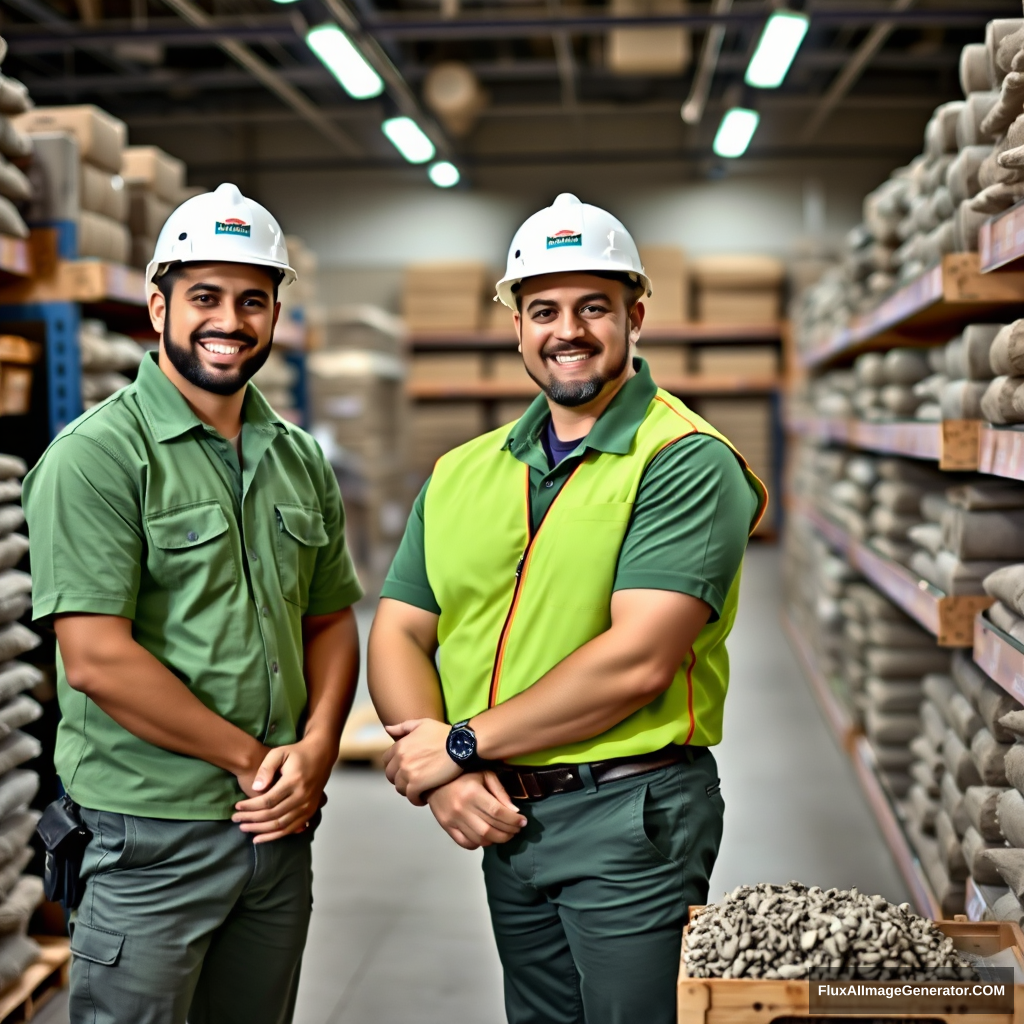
x=138, y=509
x=691, y=518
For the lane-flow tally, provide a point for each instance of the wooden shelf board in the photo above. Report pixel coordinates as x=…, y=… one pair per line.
x=838, y=717
x=929, y=309
x=509, y=389
x=895, y=838
x=1001, y=451
x=86, y=281
x=1001, y=241
x=1000, y=656
x=954, y=444
x=15, y=256
x=504, y=337
x=950, y=619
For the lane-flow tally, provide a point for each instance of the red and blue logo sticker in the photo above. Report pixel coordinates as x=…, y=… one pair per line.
x=233, y=226
x=566, y=237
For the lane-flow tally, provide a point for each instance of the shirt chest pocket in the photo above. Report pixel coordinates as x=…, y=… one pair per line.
x=192, y=546
x=300, y=535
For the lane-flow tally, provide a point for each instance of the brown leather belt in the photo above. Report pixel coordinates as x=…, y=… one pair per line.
x=523, y=782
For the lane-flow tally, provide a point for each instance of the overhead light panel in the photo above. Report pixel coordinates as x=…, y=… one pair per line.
x=735, y=132
x=345, y=61
x=779, y=42
x=443, y=174
x=409, y=139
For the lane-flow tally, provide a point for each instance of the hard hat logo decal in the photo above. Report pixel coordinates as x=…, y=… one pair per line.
x=233, y=226
x=560, y=239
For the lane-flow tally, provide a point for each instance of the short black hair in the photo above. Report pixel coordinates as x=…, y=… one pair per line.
x=633, y=284
x=172, y=275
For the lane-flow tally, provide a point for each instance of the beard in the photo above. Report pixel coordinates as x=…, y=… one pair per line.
x=579, y=392
x=185, y=359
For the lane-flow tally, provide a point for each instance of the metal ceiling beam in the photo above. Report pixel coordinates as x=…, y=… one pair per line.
x=167, y=80
x=693, y=109
x=844, y=81
x=271, y=78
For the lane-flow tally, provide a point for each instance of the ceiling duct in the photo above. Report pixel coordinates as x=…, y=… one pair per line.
x=664, y=50
x=452, y=91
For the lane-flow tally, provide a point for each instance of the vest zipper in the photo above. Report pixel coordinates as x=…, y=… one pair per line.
x=499, y=654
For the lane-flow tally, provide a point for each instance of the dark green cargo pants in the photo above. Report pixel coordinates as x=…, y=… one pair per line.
x=589, y=900
x=188, y=920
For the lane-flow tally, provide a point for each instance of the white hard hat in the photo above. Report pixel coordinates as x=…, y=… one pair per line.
x=220, y=227
x=570, y=236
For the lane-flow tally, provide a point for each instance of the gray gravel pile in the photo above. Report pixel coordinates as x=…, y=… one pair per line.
x=792, y=931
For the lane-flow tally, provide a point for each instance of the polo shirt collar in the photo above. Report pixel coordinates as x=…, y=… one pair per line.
x=615, y=427
x=169, y=415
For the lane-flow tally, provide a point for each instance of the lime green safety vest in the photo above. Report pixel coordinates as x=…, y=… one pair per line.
x=513, y=605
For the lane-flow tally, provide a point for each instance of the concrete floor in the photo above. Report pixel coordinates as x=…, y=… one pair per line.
x=400, y=932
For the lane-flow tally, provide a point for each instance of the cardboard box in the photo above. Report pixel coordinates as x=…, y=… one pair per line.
x=15, y=349
x=667, y=269
x=56, y=178
x=101, y=136
x=748, y=424
x=507, y=366
x=15, y=389
x=142, y=252
x=498, y=317
x=445, y=368
x=147, y=212
x=738, y=271
x=665, y=50
x=736, y=360
x=438, y=427
x=438, y=296
x=666, y=362
x=154, y=170
x=103, y=238
x=509, y=412
x=103, y=193
x=727, y=306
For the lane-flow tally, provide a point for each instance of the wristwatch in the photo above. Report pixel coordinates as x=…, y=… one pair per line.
x=461, y=747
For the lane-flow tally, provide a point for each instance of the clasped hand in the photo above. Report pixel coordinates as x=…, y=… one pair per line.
x=276, y=809
x=473, y=808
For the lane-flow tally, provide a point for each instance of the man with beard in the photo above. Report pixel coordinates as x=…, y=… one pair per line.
x=189, y=545
x=549, y=648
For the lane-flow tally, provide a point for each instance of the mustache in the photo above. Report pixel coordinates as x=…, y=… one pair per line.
x=240, y=336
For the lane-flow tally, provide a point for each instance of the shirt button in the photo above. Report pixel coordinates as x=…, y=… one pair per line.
x=265, y=610
x=192, y=535
x=273, y=727
x=549, y=483
x=273, y=667
x=253, y=557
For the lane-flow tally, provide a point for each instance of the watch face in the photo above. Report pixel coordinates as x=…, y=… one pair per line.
x=461, y=745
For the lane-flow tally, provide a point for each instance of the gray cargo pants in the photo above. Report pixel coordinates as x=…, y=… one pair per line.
x=188, y=921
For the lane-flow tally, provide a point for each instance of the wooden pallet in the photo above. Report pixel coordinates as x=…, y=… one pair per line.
x=759, y=1001
x=363, y=739
x=40, y=982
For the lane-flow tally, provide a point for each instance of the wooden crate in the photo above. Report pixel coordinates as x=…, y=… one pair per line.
x=759, y=1001
x=40, y=982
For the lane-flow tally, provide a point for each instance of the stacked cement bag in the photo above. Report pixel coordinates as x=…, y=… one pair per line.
x=891, y=651
x=972, y=529
x=106, y=359
x=1002, y=401
x=903, y=383
x=276, y=380
x=831, y=394
x=15, y=149
x=19, y=894
x=155, y=182
x=961, y=767
x=102, y=200
x=1006, y=586
x=968, y=371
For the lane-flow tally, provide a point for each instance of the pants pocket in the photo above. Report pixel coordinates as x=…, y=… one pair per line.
x=96, y=944
x=659, y=819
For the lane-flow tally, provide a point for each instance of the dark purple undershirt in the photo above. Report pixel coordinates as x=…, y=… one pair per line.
x=555, y=449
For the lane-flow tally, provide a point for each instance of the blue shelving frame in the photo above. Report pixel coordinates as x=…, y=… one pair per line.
x=300, y=391
x=60, y=321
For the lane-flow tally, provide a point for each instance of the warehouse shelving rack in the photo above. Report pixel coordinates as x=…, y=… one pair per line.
x=963, y=288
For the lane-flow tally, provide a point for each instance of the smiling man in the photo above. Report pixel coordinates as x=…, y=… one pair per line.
x=190, y=546
x=549, y=648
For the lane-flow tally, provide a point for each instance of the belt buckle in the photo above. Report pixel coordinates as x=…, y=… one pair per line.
x=522, y=794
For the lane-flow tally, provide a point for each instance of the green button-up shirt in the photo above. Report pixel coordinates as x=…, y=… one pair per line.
x=139, y=509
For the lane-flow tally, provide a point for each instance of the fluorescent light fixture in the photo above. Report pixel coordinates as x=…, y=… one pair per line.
x=443, y=174
x=735, y=132
x=776, y=49
x=345, y=61
x=409, y=139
